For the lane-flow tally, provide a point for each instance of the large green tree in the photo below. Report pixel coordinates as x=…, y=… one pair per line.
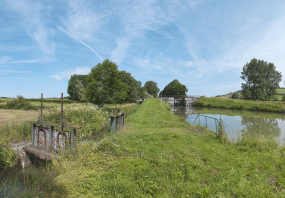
x=133, y=86
x=76, y=87
x=151, y=88
x=261, y=80
x=174, y=88
x=105, y=85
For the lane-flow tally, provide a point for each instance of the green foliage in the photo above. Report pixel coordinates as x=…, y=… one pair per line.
x=151, y=88
x=76, y=87
x=240, y=104
x=174, y=88
x=19, y=103
x=235, y=95
x=7, y=156
x=93, y=120
x=132, y=86
x=105, y=84
x=261, y=80
x=12, y=133
x=283, y=98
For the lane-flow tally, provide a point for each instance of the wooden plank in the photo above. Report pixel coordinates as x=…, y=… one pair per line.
x=39, y=153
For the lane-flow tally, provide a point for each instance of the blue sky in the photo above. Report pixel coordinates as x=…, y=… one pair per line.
x=202, y=43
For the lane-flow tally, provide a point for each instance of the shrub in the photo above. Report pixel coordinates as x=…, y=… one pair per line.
x=235, y=95
x=19, y=103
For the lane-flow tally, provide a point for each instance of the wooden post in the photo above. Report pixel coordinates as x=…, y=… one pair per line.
x=33, y=134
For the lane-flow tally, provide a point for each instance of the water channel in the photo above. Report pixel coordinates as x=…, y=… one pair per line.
x=237, y=122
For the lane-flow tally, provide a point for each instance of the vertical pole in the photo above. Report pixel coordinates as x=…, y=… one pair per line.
x=61, y=105
x=51, y=128
x=73, y=137
x=199, y=119
x=41, y=108
x=61, y=111
x=206, y=122
x=33, y=134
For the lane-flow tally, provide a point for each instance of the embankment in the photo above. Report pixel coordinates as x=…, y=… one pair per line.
x=269, y=106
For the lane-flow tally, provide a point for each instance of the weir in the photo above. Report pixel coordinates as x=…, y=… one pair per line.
x=47, y=139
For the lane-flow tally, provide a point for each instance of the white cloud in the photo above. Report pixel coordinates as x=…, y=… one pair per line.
x=34, y=21
x=140, y=17
x=9, y=60
x=83, y=43
x=84, y=18
x=10, y=71
x=67, y=73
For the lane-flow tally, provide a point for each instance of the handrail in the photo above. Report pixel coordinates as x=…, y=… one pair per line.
x=216, y=120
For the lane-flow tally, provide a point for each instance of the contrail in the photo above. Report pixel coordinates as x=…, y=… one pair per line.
x=62, y=29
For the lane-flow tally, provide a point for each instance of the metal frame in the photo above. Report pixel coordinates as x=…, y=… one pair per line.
x=216, y=121
x=62, y=125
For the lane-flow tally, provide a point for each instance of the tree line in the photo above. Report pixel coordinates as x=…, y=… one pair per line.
x=106, y=84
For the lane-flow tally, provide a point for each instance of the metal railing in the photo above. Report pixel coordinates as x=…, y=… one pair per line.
x=206, y=117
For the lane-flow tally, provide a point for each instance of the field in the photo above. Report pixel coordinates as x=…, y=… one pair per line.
x=269, y=106
x=279, y=95
x=8, y=117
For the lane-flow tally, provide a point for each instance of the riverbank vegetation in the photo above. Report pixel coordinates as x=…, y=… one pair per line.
x=94, y=123
x=159, y=155
x=269, y=106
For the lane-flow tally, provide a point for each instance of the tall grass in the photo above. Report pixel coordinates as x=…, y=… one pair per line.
x=12, y=133
x=240, y=104
x=94, y=122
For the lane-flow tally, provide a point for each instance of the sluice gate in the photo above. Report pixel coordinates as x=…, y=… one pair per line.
x=47, y=139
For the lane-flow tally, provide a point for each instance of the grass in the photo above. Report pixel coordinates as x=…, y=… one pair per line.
x=9, y=116
x=269, y=106
x=279, y=95
x=159, y=155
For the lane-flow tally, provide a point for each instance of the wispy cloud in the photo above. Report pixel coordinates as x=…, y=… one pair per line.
x=67, y=73
x=71, y=36
x=140, y=17
x=9, y=60
x=34, y=21
x=9, y=71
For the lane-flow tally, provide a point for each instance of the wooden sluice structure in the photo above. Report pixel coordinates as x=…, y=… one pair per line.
x=47, y=139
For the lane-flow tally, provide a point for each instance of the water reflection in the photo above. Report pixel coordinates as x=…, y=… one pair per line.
x=254, y=126
x=237, y=122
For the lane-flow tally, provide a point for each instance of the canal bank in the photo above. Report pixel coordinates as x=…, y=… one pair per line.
x=158, y=154
x=237, y=123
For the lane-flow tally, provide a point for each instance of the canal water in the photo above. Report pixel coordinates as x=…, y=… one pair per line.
x=237, y=122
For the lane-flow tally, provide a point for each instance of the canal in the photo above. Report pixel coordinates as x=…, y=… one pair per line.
x=237, y=123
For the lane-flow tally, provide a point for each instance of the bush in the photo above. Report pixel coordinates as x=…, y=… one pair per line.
x=93, y=120
x=235, y=95
x=283, y=98
x=19, y=103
